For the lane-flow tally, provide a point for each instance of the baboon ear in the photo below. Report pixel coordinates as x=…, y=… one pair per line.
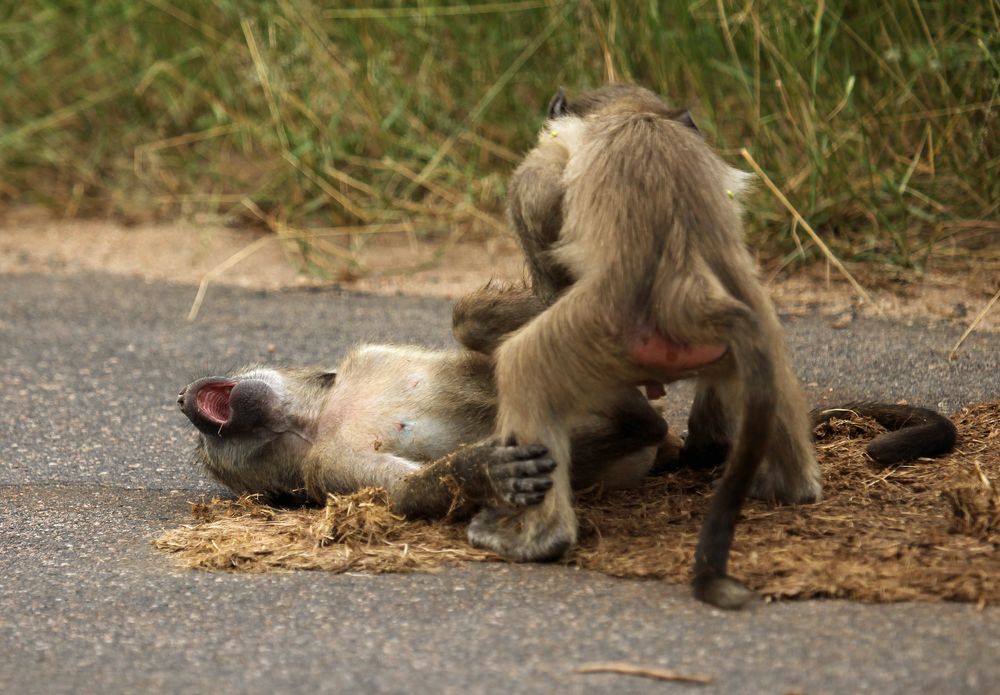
x=557, y=107
x=685, y=118
x=327, y=378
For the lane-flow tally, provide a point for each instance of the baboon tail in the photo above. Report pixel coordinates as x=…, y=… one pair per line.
x=914, y=432
x=755, y=368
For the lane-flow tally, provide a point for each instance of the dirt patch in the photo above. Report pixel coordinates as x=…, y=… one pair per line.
x=185, y=252
x=927, y=531
x=952, y=290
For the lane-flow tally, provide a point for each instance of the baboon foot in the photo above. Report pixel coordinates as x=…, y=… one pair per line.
x=721, y=591
x=786, y=486
x=535, y=534
x=703, y=455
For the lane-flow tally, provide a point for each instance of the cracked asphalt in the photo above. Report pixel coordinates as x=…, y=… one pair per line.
x=95, y=461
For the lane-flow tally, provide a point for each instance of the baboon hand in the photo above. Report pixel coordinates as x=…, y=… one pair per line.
x=520, y=475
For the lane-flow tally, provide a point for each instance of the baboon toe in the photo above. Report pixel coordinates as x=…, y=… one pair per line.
x=517, y=537
x=722, y=591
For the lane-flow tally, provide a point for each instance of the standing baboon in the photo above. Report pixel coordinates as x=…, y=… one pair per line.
x=413, y=421
x=483, y=318
x=632, y=230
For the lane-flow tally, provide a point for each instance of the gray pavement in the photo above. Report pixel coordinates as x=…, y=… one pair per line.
x=94, y=462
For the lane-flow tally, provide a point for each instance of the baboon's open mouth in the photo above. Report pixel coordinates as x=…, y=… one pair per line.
x=213, y=402
x=654, y=390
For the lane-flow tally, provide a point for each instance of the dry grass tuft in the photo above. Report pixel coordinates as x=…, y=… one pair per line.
x=351, y=533
x=925, y=531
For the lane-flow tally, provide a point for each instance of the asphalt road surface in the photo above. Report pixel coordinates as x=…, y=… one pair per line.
x=95, y=461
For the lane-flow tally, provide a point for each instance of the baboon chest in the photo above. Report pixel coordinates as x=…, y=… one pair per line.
x=404, y=407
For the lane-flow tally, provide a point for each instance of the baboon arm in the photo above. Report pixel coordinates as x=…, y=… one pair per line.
x=479, y=474
x=414, y=489
x=536, y=202
x=457, y=483
x=482, y=319
x=447, y=485
x=633, y=426
x=337, y=469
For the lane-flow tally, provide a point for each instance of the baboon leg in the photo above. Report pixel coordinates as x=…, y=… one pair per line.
x=482, y=319
x=617, y=453
x=752, y=414
x=789, y=472
x=568, y=362
x=540, y=533
x=556, y=368
x=536, y=213
x=535, y=534
x=709, y=430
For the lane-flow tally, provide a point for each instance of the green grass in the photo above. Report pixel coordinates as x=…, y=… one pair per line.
x=879, y=121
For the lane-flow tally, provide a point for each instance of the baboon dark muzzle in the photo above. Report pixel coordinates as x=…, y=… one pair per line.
x=221, y=406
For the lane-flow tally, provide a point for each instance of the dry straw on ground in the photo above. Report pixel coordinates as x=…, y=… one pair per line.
x=926, y=531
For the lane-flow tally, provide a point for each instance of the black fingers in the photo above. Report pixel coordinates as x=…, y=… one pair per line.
x=521, y=475
x=522, y=499
x=531, y=484
x=542, y=465
x=510, y=451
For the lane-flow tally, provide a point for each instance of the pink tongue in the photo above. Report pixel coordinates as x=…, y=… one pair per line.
x=213, y=402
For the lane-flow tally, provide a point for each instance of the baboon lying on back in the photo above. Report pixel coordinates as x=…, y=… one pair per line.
x=413, y=421
x=397, y=418
x=632, y=230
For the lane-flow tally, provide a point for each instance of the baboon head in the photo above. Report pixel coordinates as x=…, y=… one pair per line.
x=620, y=95
x=257, y=425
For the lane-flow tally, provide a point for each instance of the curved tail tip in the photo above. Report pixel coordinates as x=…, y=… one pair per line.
x=722, y=591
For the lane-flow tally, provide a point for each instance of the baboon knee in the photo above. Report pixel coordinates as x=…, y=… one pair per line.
x=482, y=319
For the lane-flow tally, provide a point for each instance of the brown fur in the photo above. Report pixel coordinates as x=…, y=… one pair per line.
x=913, y=432
x=649, y=247
x=416, y=422
x=483, y=318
